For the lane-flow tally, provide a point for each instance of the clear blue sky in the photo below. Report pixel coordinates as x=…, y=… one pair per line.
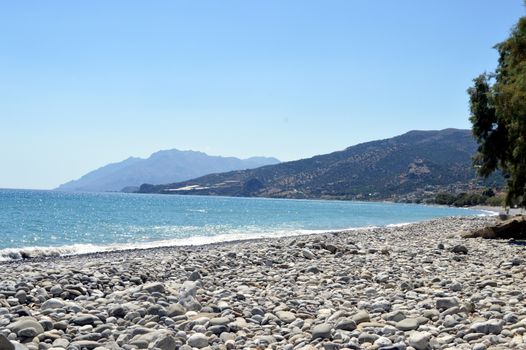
x=85, y=83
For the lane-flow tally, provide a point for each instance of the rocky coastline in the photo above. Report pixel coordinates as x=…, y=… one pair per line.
x=419, y=286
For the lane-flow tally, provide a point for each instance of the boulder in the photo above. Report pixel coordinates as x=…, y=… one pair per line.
x=511, y=228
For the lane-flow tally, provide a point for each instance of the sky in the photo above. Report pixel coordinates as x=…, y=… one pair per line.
x=86, y=83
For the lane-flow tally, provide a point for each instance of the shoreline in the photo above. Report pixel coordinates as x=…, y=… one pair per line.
x=418, y=285
x=53, y=252
x=498, y=210
x=251, y=239
x=165, y=229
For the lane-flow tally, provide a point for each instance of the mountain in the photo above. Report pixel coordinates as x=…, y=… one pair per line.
x=415, y=161
x=161, y=167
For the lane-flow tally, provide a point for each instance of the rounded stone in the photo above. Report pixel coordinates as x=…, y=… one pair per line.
x=345, y=324
x=419, y=340
x=52, y=303
x=407, y=324
x=88, y=344
x=21, y=295
x=219, y=321
x=307, y=254
x=56, y=290
x=446, y=303
x=321, y=331
x=361, y=316
x=166, y=342
x=257, y=311
x=5, y=344
x=175, y=310
x=459, y=249
x=197, y=340
x=84, y=319
x=286, y=316
x=382, y=341
x=492, y=326
x=26, y=322
x=29, y=332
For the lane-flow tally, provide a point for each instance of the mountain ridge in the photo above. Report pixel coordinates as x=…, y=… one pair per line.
x=418, y=160
x=160, y=167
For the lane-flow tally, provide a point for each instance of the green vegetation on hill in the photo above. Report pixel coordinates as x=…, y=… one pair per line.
x=394, y=168
x=464, y=199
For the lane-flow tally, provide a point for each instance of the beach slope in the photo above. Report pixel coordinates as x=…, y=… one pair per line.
x=419, y=285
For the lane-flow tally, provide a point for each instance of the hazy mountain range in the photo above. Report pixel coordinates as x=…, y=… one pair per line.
x=416, y=160
x=161, y=167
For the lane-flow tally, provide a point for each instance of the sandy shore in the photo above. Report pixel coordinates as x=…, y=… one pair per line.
x=418, y=286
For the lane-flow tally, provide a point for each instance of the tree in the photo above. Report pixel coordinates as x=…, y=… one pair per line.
x=498, y=115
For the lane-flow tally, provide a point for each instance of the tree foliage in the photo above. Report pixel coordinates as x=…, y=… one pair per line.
x=498, y=115
x=466, y=199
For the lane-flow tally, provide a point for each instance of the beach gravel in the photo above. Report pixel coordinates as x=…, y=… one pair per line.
x=418, y=286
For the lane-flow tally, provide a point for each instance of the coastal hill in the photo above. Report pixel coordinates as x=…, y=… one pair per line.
x=416, y=161
x=161, y=167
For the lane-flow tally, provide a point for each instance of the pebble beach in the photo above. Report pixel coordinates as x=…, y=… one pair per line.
x=418, y=286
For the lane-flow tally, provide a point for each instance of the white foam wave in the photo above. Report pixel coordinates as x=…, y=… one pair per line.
x=78, y=249
x=487, y=213
x=400, y=224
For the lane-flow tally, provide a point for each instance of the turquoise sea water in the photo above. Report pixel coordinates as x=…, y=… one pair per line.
x=49, y=223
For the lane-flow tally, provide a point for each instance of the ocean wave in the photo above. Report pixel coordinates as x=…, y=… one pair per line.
x=11, y=254
x=400, y=224
x=34, y=252
x=487, y=213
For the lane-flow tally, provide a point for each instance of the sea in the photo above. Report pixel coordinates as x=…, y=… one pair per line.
x=50, y=223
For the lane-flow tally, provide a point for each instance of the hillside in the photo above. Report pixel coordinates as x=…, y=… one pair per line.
x=161, y=167
x=415, y=161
